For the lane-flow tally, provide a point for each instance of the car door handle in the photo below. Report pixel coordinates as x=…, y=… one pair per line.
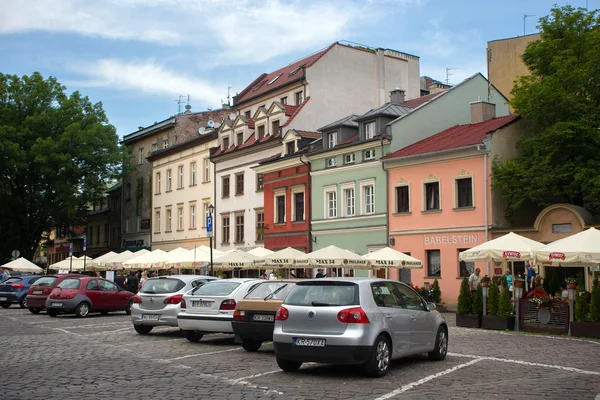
x=389, y=316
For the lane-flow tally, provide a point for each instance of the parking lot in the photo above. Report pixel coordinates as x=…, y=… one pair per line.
x=103, y=357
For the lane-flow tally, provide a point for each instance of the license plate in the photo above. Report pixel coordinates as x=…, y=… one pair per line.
x=309, y=342
x=3, y=298
x=265, y=318
x=37, y=292
x=202, y=303
x=56, y=304
x=149, y=317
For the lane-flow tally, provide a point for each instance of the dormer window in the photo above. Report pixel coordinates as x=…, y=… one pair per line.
x=290, y=147
x=370, y=130
x=166, y=144
x=274, y=79
x=261, y=131
x=225, y=143
x=247, y=114
x=283, y=100
x=296, y=70
x=275, y=127
x=331, y=140
x=299, y=97
x=239, y=138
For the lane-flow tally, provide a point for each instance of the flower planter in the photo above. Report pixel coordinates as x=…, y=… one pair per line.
x=586, y=329
x=498, y=323
x=468, y=320
x=572, y=285
x=485, y=284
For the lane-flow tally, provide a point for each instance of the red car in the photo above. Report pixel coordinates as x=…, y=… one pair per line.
x=40, y=290
x=84, y=295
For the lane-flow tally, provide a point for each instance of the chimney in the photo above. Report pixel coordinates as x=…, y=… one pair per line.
x=482, y=111
x=188, y=109
x=397, y=96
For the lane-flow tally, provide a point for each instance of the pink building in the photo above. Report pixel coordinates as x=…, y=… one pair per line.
x=437, y=194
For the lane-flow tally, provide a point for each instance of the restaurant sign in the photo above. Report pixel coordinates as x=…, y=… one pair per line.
x=451, y=239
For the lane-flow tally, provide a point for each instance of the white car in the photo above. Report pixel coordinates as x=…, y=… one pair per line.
x=209, y=308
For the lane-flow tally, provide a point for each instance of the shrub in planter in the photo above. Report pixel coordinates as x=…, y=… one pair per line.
x=581, y=306
x=499, y=308
x=493, y=299
x=436, y=293
x=465, y=300
x=478, y=301
x=595, y=306
x=505, y=307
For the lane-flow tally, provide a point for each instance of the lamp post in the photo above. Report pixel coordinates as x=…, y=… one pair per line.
x=571, y=301
x=518, y=292
x=484, y=292
x=209, y=229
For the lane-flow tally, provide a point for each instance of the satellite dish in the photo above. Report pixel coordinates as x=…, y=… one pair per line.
x=201, y=131
x=210, y=124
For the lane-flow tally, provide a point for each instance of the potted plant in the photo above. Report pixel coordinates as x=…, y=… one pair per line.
x=464, y=310
x=436, y=295
x=500, y=310
x=485, y=281
x=571, y=282
x=587, y=324
x=519, y=280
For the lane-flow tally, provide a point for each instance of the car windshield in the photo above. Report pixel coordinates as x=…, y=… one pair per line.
x=271, y=290
x=215, y=289
x=69, y=284
x=162, y=286
x=323, y=294
x=46, y=281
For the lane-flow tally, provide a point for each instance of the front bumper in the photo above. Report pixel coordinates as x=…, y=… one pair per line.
x=327, y=354
x=254, y=330
x=166, y=316
x=205, y=323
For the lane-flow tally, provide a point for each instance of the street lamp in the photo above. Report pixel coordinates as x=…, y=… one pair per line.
x=517, y=294
x=211, y=210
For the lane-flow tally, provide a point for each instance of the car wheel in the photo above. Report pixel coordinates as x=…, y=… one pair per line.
x=441, y=345
x=128, y=308
x=52, y=313
x=23, y=302
x=5, y=305
x=142, y=329
x=82, y=310
x=34, y=310
x=251, y=345
x=193, y=336
x=379, y=362
x=288, y=365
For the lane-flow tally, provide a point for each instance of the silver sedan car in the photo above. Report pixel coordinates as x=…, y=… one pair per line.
x=356, y=321
x=157, y=302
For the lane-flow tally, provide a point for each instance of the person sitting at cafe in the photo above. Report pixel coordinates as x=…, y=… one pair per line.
x=538, y=291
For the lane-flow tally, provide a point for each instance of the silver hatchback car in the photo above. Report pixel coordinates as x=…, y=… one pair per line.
x=157, y=302
x=356, y=321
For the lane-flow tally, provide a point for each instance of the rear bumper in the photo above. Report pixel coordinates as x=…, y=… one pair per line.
x=36, y=301
x=166, y=317
x=203, y=323
x=254, y=330
x=9, y=298
x=327, y=354
x=65, y=305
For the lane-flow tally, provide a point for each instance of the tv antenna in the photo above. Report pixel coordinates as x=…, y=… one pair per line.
x=448, y=74
x=228, y=94
x=180, y=102
x=525, y=16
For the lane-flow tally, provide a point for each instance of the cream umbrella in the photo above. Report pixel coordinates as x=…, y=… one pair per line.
x=580, y=248
x=22, y=265
x=99, y=262
x=234, y=259
x=151, y=260
x=177, y=257
x=117, y=262
x=510, y=247
x=390, y=258
x=74, y=264
x=285, y=258
x=260, y=252
x=333, y=256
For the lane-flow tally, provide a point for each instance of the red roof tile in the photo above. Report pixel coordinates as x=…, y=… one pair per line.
x=250, y=123
x=453, y=138
x=414, y=103
x=249, y=142
x=285, y=76
x=296, y=112
x=309, y=135
x=290, y=110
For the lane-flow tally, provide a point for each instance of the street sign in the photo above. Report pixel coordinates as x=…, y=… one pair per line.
x=70, y=249
x=210, y=234
x=17, y=253
x=209, y=223
x=84, y=242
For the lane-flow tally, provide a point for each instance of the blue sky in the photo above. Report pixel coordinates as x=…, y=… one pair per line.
x=138, y=56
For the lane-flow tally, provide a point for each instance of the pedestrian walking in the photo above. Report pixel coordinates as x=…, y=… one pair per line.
x=132, y=282
x=530, y=277
x=474, y=280
x=3, y=275
x=143, y=279
x=120, y=280
x=320, y=273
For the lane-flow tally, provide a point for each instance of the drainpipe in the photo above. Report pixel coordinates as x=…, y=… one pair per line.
x=387, y=200
x=309, y=205
x=485, y=152
x=214, y=201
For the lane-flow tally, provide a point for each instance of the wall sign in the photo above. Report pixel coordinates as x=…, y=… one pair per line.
x=451, y=239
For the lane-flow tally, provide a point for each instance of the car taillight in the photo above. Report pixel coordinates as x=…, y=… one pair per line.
x=228, y=304
x=137, y=299
x=69, y=296
x=239, y=315
x=17, y=286
x=183, y=305
x=282, y=314
x=353, y=316
x=173, y=299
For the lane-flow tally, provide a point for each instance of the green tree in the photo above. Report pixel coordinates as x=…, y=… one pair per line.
x=581, y=307
x=493, y=298
x=57, y=152
x=478, y=301
x=505, y=307
x=595, y=306
x=561, y=102
x=436, y=292
x=465, y=300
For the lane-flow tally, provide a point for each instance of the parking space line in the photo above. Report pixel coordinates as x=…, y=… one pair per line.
x=199, y=354
x=245, y=378
x=97, y=325
x=129, y=328
x=411, y=385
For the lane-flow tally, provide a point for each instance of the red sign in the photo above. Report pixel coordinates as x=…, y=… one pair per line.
x=511, y=254
x=557, y=256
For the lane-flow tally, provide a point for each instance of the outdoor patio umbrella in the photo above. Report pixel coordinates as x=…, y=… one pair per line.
x=76, y=264
x=580, y=248
x=153, y=260
x=234, y=259
x=99, y=262
x=390, y=258
x=177, y=257
x=22, y=265
x=510, y=247
x=260, y=252
x=333, y=256
x=117, y=262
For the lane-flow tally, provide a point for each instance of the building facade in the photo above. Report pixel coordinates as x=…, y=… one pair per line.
x=59, y=241
x=104, y=224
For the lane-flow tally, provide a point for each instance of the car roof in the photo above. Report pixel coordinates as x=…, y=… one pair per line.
x=241, y=280
x=185, y=278
x=351, y=280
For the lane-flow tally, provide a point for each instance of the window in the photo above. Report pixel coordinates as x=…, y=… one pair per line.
x=331, y=198
x=239, y=184
x=239, y=137
x=180, y=183
x=369, y=154
x=157, y=221
x=260, y=182
x=464, y=192
x=205, y=213
x=331, y=140
x=299, y=206
x=126, y=225
x=179, y=218
x=283, y=100
x=290, y=147
x=155, y=147
x=330, y=162
x=274, y=79
x=91, y=231
x=92, y=285
x=402, y=199
x=368, y=199
x=106, y=233
x=298, y=97
x=168, y=180
x=386, y=294
x=138, y=224
x=206, y=177
x=280, y=209
x=370, y=130
x=410, y=298
x=432, y=196
x=193, y=173
x=349, y=158
x=225, y=143
x=433, y=263
x=261, y=132
x=157, y=183
x=562, y=228
x=168, y=227
x=465, y=268
x=141, y=156
x=275, y=127
x=97, y=233
x=193, y=216
x=166, y=144
x=107, y=286
x=128, y=192
x=349, y=202
x=239, y=228
x=225, y=188
x=225, y=230
x=247, y=114
x=260, y=224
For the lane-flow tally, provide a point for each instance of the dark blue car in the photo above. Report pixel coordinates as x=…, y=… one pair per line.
x=14, y=290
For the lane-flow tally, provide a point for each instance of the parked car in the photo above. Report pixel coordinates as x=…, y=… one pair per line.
x=209, y=308
x=14, y=290
x=356, y=321
x=38, y=292
x=84, y=295
x=254, y=315
x=157, y=302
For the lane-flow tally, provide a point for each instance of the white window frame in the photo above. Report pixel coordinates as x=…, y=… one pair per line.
x=158, y=183
x=369, y=154
x=344, y=188
x=180, y=173
x=141, y=153
x=236, y=138
x=155, y=147
x=166, y=144
x=363, y=199
x=260, y=237
x=349, y=158
x=455, y=180
x=138, y=224
x=180, y=218
x=396, y=211
x=169, y=181
x=278, y=193
x=243, y=228
x=331, y=139
x=370, y=130
x=169, y=220
x=206, y=177
x=226, y=137
x=193, y=216
x=228, y=226
x=326, y=192
x=157, y=221
x=193, y=173
x=424, y=195
x=293, y=203
x=330, y=162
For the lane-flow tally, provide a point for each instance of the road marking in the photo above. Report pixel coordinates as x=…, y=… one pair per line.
x=245, y=378
x=411, y=385
x=200, y=354
x=97, y=325
x=129, y=328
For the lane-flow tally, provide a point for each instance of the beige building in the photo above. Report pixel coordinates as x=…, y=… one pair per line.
x=182, y=190
x=504, y=62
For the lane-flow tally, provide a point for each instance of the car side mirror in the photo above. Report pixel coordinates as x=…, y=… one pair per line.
x=431, y=306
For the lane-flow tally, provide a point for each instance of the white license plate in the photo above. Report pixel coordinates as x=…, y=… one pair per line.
x=3, y=298
x=265, y=318
x=37, y=292
x=309, y=342
x=56, y=304
x=202, y=303
x=149, y=317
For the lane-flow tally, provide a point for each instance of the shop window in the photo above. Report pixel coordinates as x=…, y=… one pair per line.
x=434, y=263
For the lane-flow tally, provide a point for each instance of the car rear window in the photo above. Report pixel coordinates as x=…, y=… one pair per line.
x=162, y=286
x=323, y=293
x=271, y=290
x=216, y=289
x=46, y=281
x=69, y=284
x=12, y=280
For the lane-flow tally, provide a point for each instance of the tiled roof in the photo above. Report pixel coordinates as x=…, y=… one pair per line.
x=350, y=121
x=349, y=140
x=392, y=110
x=309, y=135
x=296, y=112
x=414, y=103
x=290, y=110
x=277, y=79
x=453, y=138
x=248, y=143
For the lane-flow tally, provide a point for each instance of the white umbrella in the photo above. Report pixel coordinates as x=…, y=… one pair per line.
x=333, y=256
x=74, y=264
x=177, y=257
x=510, y=247
x=234, y=259
x=99, y=262
x=22, y=265
x=285, y=258
x=580, y=248
x=388, y=257
x=153, y=259
x=117, y=262
x=260, y=252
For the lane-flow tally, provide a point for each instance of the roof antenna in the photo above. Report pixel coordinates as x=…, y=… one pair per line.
x=179, y=103
x=448, y=74
x=525, y=16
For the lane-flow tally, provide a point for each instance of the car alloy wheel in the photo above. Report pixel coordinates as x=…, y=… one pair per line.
x=383, y=356
x=441, y=345
x=23, y=302
x=379, y=362
x=82, y=310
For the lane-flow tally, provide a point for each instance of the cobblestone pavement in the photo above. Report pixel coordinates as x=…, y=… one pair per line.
x=102, y=357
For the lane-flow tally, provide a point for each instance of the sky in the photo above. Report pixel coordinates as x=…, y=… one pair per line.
x=138, y=57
